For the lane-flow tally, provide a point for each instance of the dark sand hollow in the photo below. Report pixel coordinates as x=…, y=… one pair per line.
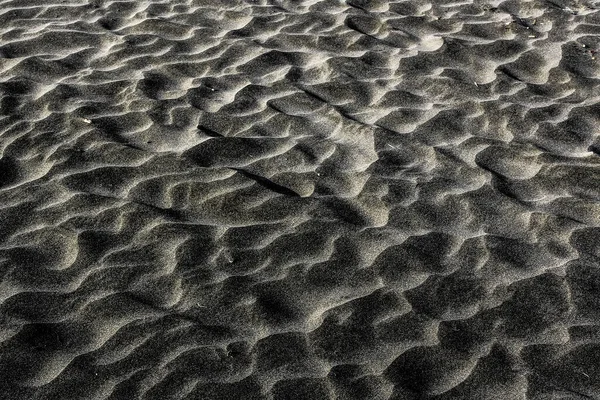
x=299, y=199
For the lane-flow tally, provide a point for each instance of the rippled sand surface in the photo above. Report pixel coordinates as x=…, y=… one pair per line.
x=303, y=200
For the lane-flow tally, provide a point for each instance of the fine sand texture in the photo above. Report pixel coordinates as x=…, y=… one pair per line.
x=299, y=199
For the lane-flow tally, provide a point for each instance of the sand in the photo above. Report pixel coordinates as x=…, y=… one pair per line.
x=299, y=199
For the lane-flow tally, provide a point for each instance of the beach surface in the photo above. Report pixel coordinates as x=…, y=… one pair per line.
x=299, y=200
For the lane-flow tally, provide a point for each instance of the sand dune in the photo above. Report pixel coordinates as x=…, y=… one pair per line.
x=299, y=199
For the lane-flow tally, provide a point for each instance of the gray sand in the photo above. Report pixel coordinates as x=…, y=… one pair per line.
x=307, y=200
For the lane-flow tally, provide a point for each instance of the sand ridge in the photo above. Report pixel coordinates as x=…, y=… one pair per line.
x=309, y=199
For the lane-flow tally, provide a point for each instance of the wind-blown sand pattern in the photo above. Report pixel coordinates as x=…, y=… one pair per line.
x=277, y=199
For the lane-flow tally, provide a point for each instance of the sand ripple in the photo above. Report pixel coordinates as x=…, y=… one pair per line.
x=311, y=199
